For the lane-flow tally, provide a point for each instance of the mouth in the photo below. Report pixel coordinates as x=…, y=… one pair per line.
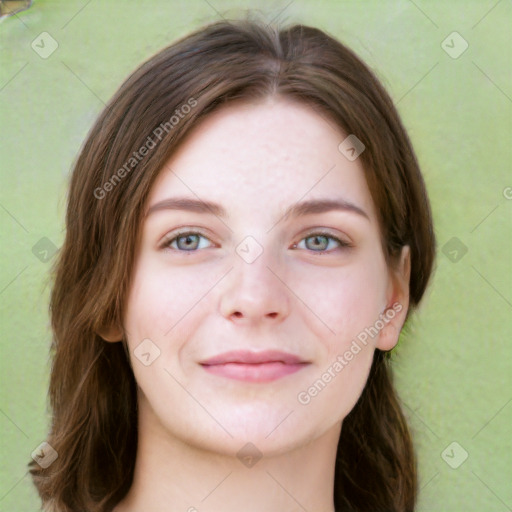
x=249, y=366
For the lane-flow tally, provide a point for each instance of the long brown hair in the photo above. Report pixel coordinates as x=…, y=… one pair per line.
x=92, y=388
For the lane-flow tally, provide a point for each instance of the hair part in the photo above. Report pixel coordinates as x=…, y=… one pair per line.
x=92, y=389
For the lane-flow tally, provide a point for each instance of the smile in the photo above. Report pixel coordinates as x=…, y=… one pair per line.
x=254, y=366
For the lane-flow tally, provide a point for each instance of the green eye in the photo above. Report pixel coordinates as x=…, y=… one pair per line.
x=190, y=241
x=322, y=242
x=186, y=241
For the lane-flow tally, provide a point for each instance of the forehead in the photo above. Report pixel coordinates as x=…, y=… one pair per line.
x=263, y=156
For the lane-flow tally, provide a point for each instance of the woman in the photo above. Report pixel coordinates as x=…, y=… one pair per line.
x=247, y=232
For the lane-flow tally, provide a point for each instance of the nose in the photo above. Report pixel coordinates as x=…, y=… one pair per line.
x=255, y=292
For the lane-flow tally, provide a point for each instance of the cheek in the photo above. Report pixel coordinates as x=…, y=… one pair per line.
x=164, y=305
x=349, y=301
x=162, y=299
x=342, y=301
x=333, y=393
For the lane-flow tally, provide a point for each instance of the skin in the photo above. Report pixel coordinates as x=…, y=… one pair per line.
x=311, y=299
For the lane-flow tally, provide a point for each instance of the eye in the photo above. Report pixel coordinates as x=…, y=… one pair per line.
x=190, y=241
x=185, y=241
x=321, y=242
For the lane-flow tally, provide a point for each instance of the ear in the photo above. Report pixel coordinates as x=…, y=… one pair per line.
x=397, y=302
x=111, y=334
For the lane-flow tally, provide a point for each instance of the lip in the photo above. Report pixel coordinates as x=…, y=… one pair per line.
x=249, y=366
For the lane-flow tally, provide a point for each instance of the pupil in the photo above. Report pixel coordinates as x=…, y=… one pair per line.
x=317, y=238
x=188, y=240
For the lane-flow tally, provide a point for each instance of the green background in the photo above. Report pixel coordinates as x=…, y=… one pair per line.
x=452, y=366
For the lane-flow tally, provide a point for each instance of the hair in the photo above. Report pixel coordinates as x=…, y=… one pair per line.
x=92, y=390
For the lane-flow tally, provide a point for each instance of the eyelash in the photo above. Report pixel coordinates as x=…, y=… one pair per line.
x=174, y=237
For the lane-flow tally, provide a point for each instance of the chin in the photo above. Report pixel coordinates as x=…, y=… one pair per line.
x=269, y=433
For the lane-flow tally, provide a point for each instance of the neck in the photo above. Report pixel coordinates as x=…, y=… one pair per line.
x=172, y=475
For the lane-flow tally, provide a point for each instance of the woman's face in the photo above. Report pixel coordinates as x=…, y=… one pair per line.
x=246, y=324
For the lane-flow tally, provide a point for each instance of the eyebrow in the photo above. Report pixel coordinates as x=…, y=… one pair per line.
x=297, y=210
